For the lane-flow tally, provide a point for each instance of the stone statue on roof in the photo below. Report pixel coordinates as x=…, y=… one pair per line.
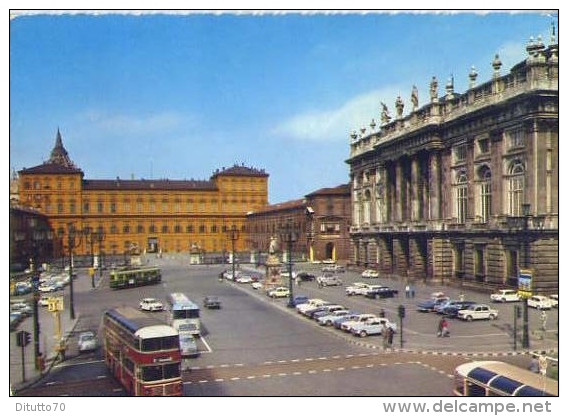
x=434, y=89
x=414, y=97
x=399, y=106
x=385, y=117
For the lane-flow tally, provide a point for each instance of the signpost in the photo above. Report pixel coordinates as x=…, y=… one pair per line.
x=23, y=338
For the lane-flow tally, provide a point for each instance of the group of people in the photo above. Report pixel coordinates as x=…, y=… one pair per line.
x=409, y=291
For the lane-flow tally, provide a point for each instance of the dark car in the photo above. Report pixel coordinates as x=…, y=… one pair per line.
x=451, y=311
x=305, y=276
x=337, y=323
x=381, y=292
x=428, y=305
x=298, y=300
x=212, y=302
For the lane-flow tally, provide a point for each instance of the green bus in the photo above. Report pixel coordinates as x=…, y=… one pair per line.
x=124, y=278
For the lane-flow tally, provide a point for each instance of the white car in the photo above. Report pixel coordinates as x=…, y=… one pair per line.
x=505, y=295
x=370, y=273
x=554, y=300
x=257, y=285
x=279, y=292
x=356, y=289
x=478, y=311
x=243, y=278
x=87, y=341
x=539, y=302
x=151, y=304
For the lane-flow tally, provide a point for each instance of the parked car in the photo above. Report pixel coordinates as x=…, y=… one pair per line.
x=188, y=345
x=478, y=311
x=305, y=276
x=15, y=319
x=244, y=278
x=347, y=325
x=539, y=302
x=554, y=300
x=505, y=295
x=43, y=300
x=21, y=307
x=257, y=285
x=330, y=318
x=87, y=341
x=381, y=292
x=452, y=309
x=428, y=305
x=357, y=288
x=151, y=304
x=212, y=302
x=22, y=288
x=371, y=327
x=310, y=304
x=349, y=317
x=329, y=280
x=279, y=292
x=298, y=300
x=326, y=310
x=370, y=274
x=309, y=309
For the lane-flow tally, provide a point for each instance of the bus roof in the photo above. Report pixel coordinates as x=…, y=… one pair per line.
x=179, y=300
x=509, y=379
x=139, y=323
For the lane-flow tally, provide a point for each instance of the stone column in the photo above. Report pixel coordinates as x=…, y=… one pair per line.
x=435, y=186
x=399, y=191
x=415, y=194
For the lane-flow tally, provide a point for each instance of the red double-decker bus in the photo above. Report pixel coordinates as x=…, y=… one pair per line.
x=142, y=353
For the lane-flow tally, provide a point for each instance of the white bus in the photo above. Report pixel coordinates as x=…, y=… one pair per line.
x=183, y=314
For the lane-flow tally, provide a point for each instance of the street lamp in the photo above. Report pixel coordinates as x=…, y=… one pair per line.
x=522, y=222
x=38, y=238
x=289, y=236
x=234, y=236
x=74, y=237
x=100, y=236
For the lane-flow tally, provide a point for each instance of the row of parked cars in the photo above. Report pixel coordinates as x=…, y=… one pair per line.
x=461, y=309
x=539, y=302
x=330, y=314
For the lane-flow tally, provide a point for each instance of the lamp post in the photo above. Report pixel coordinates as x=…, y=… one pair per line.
x=234, y=236
x=100, y=236
x=522, y=222
x=526, y=212
x=38, y=251
x=90, y=238
x=74, y=237
x=289, y=236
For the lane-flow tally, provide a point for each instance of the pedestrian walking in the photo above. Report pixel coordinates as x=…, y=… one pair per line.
x=443, y=330
x=407, y=291
x=382, y=313
x=412, y=293
x=384, y=333
x=390, y=336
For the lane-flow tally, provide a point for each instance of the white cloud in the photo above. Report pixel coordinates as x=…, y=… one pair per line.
x=125, y=123
x=336, y=123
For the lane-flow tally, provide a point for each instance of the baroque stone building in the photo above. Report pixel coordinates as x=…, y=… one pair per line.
x=320, y=221
x=465, y=188
x=152, y=215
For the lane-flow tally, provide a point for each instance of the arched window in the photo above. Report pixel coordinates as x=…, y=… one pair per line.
x=484, y=176
x=516, y=188
x=461, y=196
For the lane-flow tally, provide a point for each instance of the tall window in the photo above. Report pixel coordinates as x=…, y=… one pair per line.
x=516, y=187
x=485, y=193
x=460, y=153
x=461, y=197
x=516, y=138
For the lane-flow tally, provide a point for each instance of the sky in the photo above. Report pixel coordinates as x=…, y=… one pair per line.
x=177, y=96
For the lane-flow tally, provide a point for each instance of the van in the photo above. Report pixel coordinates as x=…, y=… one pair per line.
x=187, y=345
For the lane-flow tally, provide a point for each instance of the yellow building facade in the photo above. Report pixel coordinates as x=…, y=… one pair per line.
x=144, y=215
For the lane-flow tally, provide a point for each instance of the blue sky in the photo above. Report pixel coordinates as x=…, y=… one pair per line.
x=178, y=96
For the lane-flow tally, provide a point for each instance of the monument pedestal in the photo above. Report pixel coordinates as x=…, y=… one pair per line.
x=273, y=278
